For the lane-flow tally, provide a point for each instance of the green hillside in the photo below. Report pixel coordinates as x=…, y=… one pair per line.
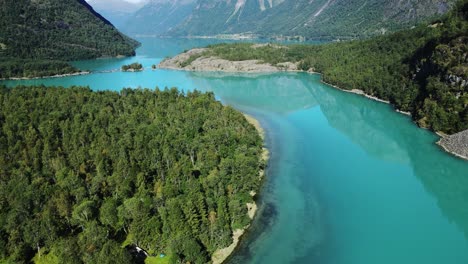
x=43, y=33
x=83, y=174
x=423, y=70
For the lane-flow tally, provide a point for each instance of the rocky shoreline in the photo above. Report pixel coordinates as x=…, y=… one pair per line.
x=456, y=144
x=194, y=60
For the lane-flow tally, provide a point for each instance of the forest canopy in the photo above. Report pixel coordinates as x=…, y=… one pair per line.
x=83, y=174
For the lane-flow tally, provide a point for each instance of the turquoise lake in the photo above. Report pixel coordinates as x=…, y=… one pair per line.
x=350, y=181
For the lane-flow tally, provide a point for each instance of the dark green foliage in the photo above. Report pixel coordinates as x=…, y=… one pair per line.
x=81, y=172
x=33, y=68
x=133, y=67
x=423, y=70
x=40, y=31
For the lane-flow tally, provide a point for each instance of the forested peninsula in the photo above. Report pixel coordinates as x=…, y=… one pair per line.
x=423, y=71
x=38, y=38
x=85, y=177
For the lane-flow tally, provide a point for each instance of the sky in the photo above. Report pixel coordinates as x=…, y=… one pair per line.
x=130, y=1
x=135, y=1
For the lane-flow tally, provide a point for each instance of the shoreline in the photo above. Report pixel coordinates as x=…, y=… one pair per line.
x=444, y=148
x=45, y=77
x=205, y=64
x=362, y=93
x=200, y=63
x=221, y=255
x=214, y=64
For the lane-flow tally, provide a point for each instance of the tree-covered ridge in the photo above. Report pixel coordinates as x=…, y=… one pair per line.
x=51, y=30
x=423, y=70
x=83, y=173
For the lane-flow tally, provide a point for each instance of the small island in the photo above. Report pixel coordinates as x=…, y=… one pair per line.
x=134, y=67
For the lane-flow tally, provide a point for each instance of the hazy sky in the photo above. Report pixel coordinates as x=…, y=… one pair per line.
x=134, y=1
x=130, y=1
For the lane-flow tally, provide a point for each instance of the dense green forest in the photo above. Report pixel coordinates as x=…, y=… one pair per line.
x=44, y=34
x=423, y=70
x=24, y=68
x=83, y=174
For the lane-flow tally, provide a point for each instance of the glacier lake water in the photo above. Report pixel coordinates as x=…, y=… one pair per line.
x=350, y=181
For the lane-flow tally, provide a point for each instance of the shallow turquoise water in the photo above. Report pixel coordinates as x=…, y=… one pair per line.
x=349, y=182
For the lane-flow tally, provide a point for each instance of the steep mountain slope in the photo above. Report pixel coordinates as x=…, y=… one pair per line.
x=55, y=30
x=224, y=16
x=116, y=11
x=158, y=17
x=308, y=18
x=341, y=18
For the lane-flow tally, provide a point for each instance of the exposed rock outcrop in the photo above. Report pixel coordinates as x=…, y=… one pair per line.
x=456, y=144
x=195, y=60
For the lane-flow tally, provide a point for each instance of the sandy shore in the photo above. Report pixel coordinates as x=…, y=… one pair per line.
x=265, y=153
x=44, y=77
x=220, y=255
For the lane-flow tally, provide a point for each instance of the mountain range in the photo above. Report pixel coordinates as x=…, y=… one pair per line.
x=265, y=18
